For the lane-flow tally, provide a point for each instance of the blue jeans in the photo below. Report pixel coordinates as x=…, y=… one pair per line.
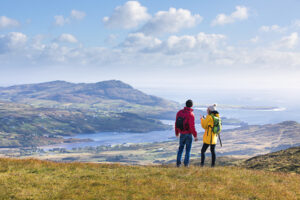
x=185, y=140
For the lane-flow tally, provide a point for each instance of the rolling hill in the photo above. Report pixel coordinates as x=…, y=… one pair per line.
x=35, y=114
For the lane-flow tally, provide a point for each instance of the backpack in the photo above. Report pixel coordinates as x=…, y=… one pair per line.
x=181, y=122
x=217, y=124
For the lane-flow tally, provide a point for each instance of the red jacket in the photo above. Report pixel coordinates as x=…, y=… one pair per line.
x=189, y=115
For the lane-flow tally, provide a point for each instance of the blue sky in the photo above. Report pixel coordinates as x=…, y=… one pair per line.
x=237, y=44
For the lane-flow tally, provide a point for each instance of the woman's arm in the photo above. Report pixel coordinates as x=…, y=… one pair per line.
x=206, y=122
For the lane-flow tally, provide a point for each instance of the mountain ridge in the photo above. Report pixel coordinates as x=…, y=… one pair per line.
x=63, y=91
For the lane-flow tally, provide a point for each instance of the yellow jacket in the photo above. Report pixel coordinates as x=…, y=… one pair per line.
x=209, y=137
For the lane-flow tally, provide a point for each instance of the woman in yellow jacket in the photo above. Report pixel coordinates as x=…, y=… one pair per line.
x=209, y=138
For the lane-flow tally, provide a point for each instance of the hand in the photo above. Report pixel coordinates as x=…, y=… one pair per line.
x=177, y=136
x=196, y=139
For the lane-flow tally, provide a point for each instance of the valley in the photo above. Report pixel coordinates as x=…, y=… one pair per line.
x=239, y=143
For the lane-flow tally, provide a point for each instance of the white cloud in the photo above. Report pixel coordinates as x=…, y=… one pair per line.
x=180, y=44
x=12, y=41
x=139, y=41
x=274, y=28
x=254, y=39
x=111, y=39
x=288, y=42
x=68, y=38
x=188, y=43
x=241, y=13
x=170, y=21
x=6, y=22
x=60, y=20
x=37, y=42
x=76, y=14
x=173, y=44
x=209, y=40
x=296, y=23
x=145, y=52
x=129, y=15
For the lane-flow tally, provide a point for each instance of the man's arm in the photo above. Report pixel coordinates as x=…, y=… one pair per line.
x=192, y=125
x=176, y=129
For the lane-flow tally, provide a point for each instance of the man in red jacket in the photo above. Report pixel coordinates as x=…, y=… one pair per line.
x=185, y=126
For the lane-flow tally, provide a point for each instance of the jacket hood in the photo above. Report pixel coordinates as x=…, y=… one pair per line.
x=215, y=113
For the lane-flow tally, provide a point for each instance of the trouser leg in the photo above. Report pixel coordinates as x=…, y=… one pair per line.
x=189, y=140
x=180, y=149
x=203, y=150
x=213, y=154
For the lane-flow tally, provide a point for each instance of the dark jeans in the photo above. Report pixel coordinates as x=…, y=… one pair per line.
x=213, y=153
x=185, y=140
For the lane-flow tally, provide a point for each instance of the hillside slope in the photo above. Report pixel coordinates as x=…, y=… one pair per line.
x=22, y=125
x=31, y=114
x=35, y=179
x=287, y=160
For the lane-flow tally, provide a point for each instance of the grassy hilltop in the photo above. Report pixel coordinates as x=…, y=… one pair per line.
x=35, y=179
x=285, y=160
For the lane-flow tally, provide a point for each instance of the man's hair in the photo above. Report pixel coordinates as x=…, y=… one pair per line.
x=189, y=103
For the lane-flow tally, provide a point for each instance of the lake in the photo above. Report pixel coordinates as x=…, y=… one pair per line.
x=113, y=138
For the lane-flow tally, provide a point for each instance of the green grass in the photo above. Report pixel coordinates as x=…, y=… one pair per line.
x=35, y=179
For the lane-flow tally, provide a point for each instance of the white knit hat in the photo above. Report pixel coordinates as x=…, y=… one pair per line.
x=212, y=107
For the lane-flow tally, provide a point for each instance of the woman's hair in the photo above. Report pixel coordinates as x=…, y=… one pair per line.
x=208, y=111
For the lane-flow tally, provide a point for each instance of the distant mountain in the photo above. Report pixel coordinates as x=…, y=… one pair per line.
x=287, y=160
x=91, y=93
